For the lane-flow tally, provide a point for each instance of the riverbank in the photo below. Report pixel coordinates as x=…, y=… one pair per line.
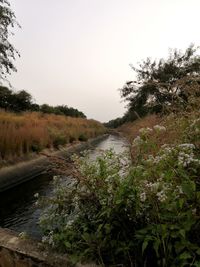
x=141, y=215
x=14, y=175
x=16, y=250
x=23, y=213
x=31, y=132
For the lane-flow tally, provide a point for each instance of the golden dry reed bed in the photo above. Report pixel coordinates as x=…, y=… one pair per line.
x=21, y=134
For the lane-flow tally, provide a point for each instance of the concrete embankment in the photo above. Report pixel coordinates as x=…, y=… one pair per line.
x=16, y=251
x=22, y=172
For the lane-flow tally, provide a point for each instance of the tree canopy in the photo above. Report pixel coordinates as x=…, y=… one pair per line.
x=22, y=101
x=164, y=83
x=7, y=50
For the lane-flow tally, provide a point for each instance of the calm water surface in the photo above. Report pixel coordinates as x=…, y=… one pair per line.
x=17, y=206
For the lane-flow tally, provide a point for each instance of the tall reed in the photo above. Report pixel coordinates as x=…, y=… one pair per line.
x=21, y=134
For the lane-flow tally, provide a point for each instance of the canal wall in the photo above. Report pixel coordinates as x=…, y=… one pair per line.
x=25, y=171
x=19, y=252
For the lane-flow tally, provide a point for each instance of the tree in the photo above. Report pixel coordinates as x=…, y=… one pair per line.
x=7, y=50
x=16, y=101
x=164, y=83
x=21, y=101
x=5, y=97
x=45, y=108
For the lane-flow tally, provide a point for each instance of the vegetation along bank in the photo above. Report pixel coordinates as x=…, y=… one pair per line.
x=143, y=210
x=29, y=132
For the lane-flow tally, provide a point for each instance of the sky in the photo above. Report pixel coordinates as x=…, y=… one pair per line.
x=78, y=52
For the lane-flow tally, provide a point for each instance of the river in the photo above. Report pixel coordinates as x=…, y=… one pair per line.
x=17, y=206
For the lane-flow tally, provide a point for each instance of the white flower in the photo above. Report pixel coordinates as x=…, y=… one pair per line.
x=145, y=130
x=23, y=235
x=143, y=197
x=55, y=179
x=179, y=189
x=137, y=141
x=44, y=239
x=194, y=211
x=187, y=146
x=69, y=223
x=36, y=195
x=159, y=128
x=161, y=196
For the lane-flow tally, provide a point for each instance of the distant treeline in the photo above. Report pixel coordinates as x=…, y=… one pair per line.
x=22, y=101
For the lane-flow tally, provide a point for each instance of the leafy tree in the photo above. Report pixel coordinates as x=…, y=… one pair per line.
x=16, y=101
x=115, y=123
x=164, y=83
x=7, y=50
x=35, y=107
x=5, y=97
x=62, y=110
x=21, y=101
x=45, y=108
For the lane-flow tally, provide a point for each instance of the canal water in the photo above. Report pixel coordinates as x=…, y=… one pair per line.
x=17, y=206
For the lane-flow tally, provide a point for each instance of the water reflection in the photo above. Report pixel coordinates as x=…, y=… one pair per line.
x=17, y=206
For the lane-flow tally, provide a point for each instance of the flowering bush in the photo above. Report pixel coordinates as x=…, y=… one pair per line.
x=142, y=214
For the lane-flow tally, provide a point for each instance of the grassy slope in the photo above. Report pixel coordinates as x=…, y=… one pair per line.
x=32, y=132
x=176, y=125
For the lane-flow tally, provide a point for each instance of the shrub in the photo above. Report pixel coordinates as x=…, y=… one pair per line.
x=116, y=213
x=72, y=139
x=59, y=141
x=36, y=147
x=82, y=137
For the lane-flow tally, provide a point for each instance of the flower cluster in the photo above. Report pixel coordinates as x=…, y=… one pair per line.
x=145, y=131
x=159, y=189
x=167, y=162
x=137, y=141
x=48, y=239
x=159, y=128
x=183, y=154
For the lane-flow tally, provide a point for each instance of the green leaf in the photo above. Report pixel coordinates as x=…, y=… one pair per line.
x=180, y=203
x=182, y=233
x=188, y=188
x=179, y=247
x=185, y=255
x=67, y=244
x=197, y=264
x=144, y=246
x=156, y=245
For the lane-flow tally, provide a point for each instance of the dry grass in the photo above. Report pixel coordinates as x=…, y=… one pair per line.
x=131, y=129
x=175, y=124
x=24, y=133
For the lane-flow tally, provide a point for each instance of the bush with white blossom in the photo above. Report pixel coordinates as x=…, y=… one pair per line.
x=142, y=214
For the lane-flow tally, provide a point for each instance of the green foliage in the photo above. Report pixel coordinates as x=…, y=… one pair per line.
x=7, y=50
x=15, y=101
x=59, y=140
x=62, y=110
x=36, y=147
x=82, y=137
x=145, y=214
x=23, y=101
x=164, y=84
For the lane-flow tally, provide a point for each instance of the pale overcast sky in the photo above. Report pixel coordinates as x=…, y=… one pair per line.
x=77, y=52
